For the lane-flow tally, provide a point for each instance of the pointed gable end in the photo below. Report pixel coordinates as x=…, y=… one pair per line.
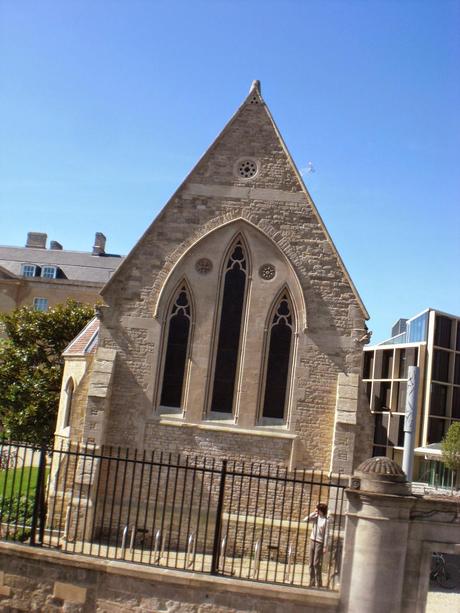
x=247, y=173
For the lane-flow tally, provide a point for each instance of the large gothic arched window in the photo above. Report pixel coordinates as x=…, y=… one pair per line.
x=231, y=317
x=178, y=333
x=278, y=359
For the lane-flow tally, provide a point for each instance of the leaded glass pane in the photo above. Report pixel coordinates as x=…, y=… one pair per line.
x=229, y=332
x=279, y=352
x=176, y=351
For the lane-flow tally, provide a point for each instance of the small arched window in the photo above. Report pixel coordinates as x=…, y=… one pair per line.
x=69, y=390
x=231, y=317
x=178, y=333
x=278, y=360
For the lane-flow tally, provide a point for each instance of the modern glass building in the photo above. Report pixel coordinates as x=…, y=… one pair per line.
x=430, y=340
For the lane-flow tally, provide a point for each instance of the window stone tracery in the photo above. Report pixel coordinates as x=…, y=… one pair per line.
x=178, y=325
x=278, y=360
x=230, y=324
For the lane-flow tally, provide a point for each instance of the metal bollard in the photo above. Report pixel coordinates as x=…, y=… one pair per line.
x=123, y=541
x=65, y=535
x=257, y=553
x=131, y=542
x=289, y=566
x=223, y=547
x=191, y=548
x=156, y=552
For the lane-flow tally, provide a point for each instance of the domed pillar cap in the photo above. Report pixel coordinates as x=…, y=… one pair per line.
x=380, y=475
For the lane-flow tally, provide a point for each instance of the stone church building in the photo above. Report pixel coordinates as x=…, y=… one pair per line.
x=232, y=329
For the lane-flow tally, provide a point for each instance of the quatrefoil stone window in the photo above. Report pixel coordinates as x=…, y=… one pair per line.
x=203, y=266
x=267, y=271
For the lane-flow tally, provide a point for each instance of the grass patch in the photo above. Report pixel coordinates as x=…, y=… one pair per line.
x=18, y=489
x=19, y=482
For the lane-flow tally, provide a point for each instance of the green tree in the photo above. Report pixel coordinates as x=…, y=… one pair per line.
x=31, y=367
x=450, y=447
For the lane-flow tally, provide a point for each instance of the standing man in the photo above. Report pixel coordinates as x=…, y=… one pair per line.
x=318, y=544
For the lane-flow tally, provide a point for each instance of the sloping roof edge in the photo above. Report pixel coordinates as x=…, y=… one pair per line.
x=316, y=212
x=85, y=340
x=255, y=88
x=128, y=257
x=9, y=274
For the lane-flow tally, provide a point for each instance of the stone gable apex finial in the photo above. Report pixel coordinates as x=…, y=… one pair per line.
x=255, y=85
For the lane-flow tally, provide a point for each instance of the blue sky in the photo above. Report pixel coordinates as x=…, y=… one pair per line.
x=105, y=106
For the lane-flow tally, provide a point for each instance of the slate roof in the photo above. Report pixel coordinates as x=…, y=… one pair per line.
x=76, y=265
x=86, y=341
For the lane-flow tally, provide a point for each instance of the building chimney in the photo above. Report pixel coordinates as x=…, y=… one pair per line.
x=99, y=244
x=56, y=245
x=36, y=240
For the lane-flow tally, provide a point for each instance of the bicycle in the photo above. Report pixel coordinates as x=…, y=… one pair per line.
x=10, y=458
x=444, y=573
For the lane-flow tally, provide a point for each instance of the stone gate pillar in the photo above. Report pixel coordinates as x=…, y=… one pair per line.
x=376, y=538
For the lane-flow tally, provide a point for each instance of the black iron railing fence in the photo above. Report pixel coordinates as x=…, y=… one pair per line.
x=218, y=516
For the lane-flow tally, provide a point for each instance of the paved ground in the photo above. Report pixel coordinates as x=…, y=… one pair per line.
x=444, y=601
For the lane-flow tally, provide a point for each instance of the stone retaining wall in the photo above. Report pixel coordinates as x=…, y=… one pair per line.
x=33, y=579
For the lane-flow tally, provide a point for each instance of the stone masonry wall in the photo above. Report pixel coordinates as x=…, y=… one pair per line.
x=44, y=581
x=191, y=439
x=276, y=205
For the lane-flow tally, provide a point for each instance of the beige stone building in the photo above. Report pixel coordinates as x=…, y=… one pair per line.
x=233, y=327
x=42, y=277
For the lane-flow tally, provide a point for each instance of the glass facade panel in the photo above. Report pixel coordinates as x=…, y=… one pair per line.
x=399, y=327
x=442, y=331
x=382, y=396
x=402, y=370
x=436, y=429
x=440, y=371
x=435, y=473
x=393, y=436
x=456, y=403
x=368, y=364
x=418, y=328
x=457, y=369
x=380, y=431
x=368, y=391
x=401, y=396
x=458, y=336
x=438, y=403
x=400, y=430
x=387, y=363
x=396, y=340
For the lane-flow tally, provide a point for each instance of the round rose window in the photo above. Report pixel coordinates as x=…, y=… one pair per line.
x=247, y=168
